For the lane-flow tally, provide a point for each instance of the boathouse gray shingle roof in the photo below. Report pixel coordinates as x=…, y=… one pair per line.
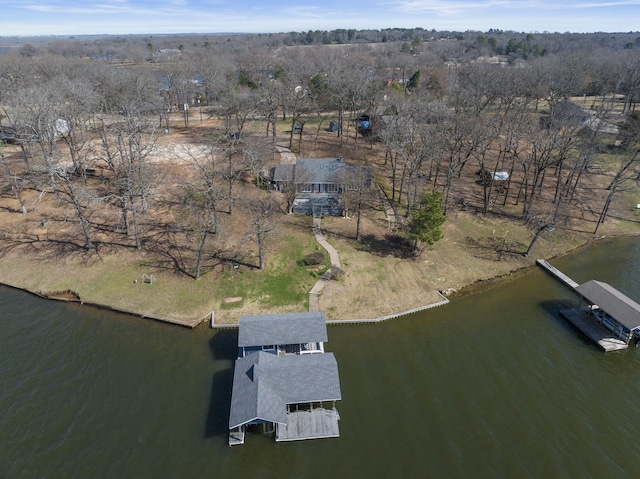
x=613, y=302
x=280, y=329
x=264, y=383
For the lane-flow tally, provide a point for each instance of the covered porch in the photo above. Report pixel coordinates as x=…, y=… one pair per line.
x=317, y=204
x=309, y=421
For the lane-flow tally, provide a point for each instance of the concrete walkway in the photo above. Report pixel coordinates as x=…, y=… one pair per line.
x=390, y=213
x=314, y=294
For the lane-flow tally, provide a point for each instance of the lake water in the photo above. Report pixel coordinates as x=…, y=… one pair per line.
x=494, y=384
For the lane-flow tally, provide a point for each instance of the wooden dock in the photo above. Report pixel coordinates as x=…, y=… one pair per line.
x=603, y=338
x=314, y=424
x=543, y=263
x=598, y=334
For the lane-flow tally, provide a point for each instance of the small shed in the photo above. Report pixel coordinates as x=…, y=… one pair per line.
x=334, y=126
x=500, y=176
x=611, y=308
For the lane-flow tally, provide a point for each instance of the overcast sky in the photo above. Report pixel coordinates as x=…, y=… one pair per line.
x=75, y=17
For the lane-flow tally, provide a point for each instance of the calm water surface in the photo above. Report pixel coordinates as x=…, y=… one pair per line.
x=494, y=384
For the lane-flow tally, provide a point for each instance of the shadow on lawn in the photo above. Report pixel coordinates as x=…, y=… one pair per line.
x=389, y=245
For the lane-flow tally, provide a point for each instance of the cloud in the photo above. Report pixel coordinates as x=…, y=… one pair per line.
x=455, y=7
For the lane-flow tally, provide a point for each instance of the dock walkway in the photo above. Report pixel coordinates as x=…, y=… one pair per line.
x=557, y=273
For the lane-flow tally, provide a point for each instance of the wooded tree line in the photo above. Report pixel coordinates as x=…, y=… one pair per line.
x=438, y=108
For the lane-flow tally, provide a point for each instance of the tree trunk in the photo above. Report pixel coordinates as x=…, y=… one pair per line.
x=125, y=214
x=136, y=228
x=200, y=254
x=605, y=210
x=73, y=196
x=535, y=239
x=359, y=206
x=260, y=250
x=16, y=187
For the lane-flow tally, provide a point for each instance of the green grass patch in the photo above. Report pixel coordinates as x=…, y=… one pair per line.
x=229, y=306
x=285, y=280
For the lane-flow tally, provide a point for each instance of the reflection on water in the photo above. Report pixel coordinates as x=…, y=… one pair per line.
x=495, y=384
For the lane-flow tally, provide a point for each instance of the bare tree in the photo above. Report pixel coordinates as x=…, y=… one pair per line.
x=267, y=104
x=128, y=137
x=77, y=105
x=498, y=151
x=230, y=147
x=69, y=190
x=456, y=143
x=627, y=174
x=198, y=218
x=14, y=179
x=263, y=216
x=474, y=88
x=211, y=68
x=209, y=181
x=238, y=104
x=356, y=182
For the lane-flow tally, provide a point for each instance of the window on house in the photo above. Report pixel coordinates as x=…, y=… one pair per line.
x=332, y=188
x=307, y=188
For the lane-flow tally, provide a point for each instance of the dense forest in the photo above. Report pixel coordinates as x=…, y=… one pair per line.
x=85, y=121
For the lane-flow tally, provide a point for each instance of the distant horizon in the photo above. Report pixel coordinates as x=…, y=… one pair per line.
x=187, y=34
x=45, y=18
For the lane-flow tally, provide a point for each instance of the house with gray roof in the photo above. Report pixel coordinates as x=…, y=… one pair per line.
x=284, y=383
x=319, y=183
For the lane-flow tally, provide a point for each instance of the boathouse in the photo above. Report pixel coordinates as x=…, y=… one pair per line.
x=291, y=333
x=284, y=383
x=612, y=309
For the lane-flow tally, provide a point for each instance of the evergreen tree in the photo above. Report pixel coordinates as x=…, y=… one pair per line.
x=426, y=221
x=414, y=81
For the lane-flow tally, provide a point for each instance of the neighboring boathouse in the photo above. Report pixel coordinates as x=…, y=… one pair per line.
x=612, y=309
x=605, y=315
x=284, y=383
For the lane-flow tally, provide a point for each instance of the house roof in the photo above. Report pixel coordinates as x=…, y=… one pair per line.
x=264, y=383
x=288, y=328
x=318, y=170
x=328, y=170
x=566, y=114
x=283, y=172
x=613, y=302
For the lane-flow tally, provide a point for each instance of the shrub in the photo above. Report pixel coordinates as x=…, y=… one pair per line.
x=313, y=259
